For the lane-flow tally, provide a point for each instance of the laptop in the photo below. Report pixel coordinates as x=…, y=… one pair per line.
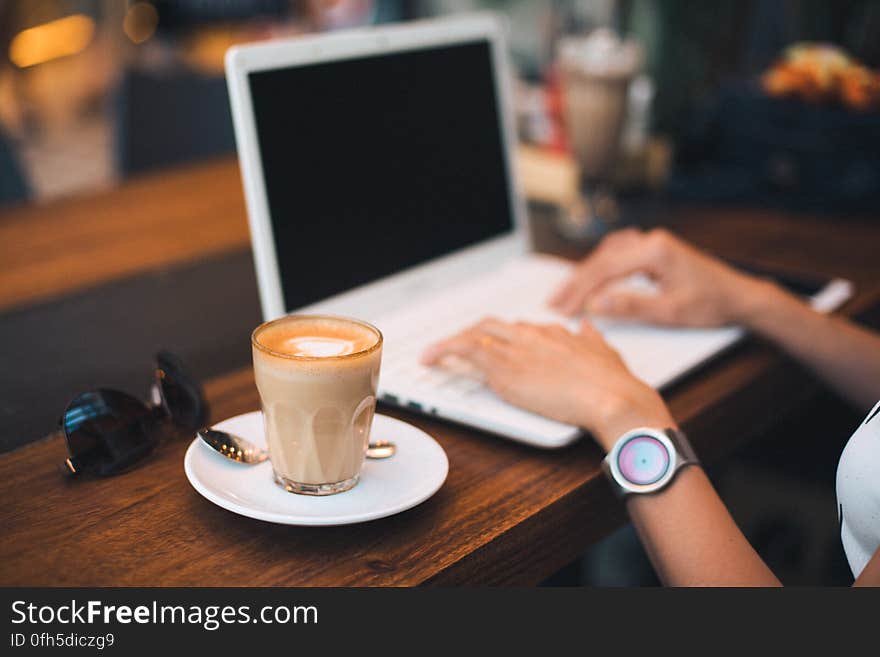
x=378, y=173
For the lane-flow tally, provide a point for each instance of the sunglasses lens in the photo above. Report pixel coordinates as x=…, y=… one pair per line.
x=107, y=431
x=181, y=393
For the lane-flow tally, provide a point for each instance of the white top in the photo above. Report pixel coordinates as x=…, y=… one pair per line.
x=858, y=493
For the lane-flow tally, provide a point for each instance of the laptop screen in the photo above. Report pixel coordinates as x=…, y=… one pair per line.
x=376, y=164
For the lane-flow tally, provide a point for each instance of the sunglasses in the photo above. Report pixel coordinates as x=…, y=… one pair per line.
x=108, y=431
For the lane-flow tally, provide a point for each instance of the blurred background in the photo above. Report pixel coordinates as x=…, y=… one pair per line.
x=95, y=91
x=762, y=103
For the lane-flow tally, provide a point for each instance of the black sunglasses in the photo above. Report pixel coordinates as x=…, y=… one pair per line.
x=108, y=431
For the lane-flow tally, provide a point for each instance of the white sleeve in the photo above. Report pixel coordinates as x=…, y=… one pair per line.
x=858, y=492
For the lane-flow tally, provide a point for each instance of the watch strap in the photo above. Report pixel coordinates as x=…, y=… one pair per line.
x=685, y=452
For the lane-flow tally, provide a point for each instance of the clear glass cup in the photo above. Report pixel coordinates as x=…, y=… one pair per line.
x=317, y=377
x=596, y=72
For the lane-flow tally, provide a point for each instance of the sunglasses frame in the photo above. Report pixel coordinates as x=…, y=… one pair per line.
x=158, y=409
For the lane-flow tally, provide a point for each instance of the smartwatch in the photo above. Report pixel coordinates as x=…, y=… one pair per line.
x=646, y=460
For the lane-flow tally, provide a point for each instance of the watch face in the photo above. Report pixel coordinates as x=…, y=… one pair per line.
x=643, y=460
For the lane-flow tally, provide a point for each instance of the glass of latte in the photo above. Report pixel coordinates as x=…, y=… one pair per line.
x=317, y=378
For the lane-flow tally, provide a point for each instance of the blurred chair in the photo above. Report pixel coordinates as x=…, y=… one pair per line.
x=13, y=186
x=166, y=119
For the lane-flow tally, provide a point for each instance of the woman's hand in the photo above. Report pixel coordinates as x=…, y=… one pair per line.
x=694, y=289
x=573, y=378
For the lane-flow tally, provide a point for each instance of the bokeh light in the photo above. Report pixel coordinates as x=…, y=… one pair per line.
x=59, y=38
x=140, y=21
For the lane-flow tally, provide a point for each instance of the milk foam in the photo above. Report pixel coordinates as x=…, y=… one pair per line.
x=315, y=346
x=324, y=337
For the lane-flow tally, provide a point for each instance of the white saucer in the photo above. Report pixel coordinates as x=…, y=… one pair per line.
x=388, y=486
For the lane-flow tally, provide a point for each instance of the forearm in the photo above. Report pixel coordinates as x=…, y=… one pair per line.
x=691, y=538
x=845, y=355
x=686, y=530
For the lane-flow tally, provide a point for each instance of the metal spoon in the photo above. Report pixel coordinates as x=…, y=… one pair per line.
x=232, y=446
x=243, y=451
x=381, y=449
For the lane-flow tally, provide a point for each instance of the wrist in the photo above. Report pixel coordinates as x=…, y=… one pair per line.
x=621, y=416
x=752, y=300
x=770, y=311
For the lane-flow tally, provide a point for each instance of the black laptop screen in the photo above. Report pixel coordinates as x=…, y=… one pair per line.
x=376, y=164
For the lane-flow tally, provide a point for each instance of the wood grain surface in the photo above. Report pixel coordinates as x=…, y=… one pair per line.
x=159, y=219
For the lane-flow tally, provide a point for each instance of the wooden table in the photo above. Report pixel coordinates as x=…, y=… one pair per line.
x=507, y=513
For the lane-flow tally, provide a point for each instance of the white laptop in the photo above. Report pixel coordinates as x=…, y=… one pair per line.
x=377, y=167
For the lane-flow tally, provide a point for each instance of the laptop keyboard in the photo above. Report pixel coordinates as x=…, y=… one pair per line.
x=514, y=292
